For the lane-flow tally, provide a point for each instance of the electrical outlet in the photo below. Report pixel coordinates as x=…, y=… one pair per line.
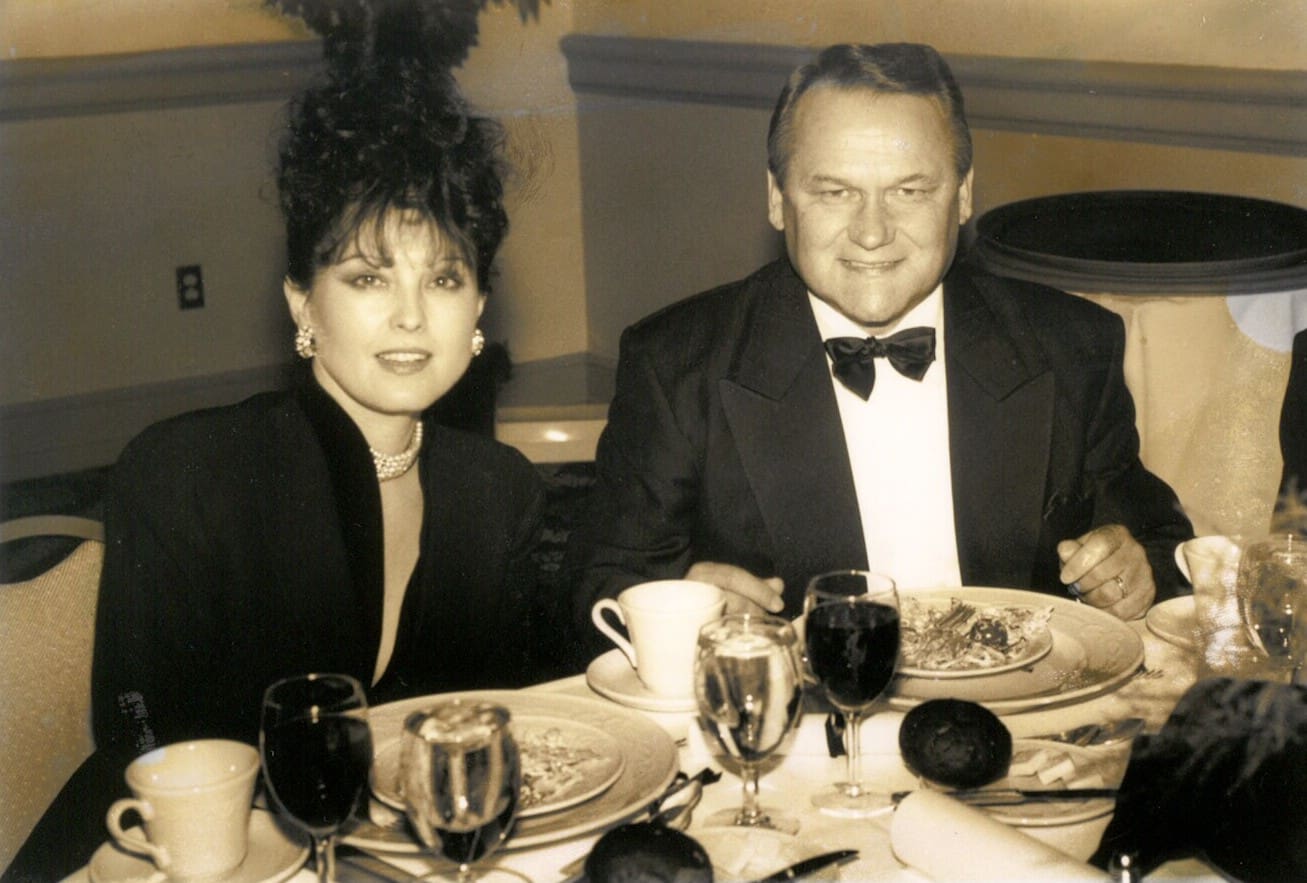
x=190, y=287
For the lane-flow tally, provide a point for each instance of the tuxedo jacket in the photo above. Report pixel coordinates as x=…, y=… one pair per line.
x=244, y=544
x=1293, y=425
x=724, y=441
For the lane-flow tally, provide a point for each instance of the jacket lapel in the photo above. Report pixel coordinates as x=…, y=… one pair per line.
x=1000, y=393
x=782, y=414
x=358, y=506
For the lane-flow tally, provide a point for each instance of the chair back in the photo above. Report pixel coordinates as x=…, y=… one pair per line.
x=47, y=631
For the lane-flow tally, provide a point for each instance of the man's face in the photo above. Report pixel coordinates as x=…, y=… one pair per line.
x=871, y=204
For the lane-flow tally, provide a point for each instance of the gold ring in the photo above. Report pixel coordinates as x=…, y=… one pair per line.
x=1120, y=584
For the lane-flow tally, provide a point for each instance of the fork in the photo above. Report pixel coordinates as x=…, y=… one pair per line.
x=958, y=615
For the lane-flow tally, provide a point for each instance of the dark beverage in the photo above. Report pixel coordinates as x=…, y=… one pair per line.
x=852, y=647
x=467, y=847
x=317, y=769
x=462, y=779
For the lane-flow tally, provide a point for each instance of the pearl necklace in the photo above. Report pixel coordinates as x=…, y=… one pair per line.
x=394, y=465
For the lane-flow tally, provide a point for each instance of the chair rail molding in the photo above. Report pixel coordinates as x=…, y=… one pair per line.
x=38, y=87
x=1248, y=110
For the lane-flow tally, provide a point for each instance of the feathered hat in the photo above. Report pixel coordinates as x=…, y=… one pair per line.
x=380, y=34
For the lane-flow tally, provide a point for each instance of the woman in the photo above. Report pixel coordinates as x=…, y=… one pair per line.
x=332, y=527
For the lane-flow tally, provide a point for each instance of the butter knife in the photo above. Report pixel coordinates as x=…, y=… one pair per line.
x=809, y=866
x=1014, y=796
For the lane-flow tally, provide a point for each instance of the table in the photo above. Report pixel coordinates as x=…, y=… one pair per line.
x=1168, y=671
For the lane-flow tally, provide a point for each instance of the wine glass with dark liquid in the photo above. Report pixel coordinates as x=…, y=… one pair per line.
x=316, y=749
x=461, y=776
x=851, y=637
x=749, y=689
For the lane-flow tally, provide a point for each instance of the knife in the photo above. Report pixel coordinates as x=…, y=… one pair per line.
x=355, y=866
x=809, y=866
x=1097, y=734
x=1013, y=796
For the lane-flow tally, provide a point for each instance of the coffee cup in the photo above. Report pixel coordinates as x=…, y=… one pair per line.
x=194, y=800
x=663, y=620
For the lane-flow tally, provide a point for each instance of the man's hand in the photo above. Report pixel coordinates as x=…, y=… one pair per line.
x=745, y=593
x=1108, y=569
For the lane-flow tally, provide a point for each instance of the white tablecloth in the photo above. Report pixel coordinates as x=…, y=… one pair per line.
x=1152, y=694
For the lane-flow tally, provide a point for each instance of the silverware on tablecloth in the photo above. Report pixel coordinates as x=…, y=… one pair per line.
x=356, y=866
x=1015, y=796
x=672, y=808
x=687, y=789
x=809, y=866
x=1097, y=734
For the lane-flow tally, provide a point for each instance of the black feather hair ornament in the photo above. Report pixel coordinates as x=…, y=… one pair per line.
x=383, y=35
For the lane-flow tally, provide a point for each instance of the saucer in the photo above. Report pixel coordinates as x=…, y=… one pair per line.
x=1173, y=621
x=611, y=675
x=275, y=853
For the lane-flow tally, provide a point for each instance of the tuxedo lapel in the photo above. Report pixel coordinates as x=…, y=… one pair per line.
x=782, y=414
x=1001, y=394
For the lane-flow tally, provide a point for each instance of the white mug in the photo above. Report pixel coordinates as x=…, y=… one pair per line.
x=663, y=619
x=194, y=800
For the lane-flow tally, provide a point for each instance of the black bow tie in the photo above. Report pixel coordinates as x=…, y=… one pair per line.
x=910, y=352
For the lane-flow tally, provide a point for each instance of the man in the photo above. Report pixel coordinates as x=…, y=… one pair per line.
x=735, y=453
x=1293, y=436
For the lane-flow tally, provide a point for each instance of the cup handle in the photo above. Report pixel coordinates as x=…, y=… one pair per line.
x=1182, y=562
x=597, y=616
x=113, y=819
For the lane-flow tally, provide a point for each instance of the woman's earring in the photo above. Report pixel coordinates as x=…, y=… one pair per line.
x=305, y=347
x=478, y=342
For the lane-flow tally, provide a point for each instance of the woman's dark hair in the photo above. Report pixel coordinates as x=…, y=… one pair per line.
x=388, y=129
x=892, y=68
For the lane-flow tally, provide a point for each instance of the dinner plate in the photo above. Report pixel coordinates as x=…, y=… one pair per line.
x=275, y=853
x=1173, y=621
x=1093, y=652
x=648, y=755
x=611, y=675
x=595, y=763
x=1036, y=649
x=1103, y=767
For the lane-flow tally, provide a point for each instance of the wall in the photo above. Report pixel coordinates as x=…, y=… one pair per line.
x=633, y=200
x=1220, y=33
x=121, y=158
x=709, y=161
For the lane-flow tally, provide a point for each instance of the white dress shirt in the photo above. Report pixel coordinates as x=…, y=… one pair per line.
x=898, y=447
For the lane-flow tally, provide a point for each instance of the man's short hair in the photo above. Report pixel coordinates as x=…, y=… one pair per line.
x=890, y=68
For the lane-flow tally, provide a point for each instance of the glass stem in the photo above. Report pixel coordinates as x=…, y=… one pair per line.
x=750, y=813
x=853, y=751
x=324, y=858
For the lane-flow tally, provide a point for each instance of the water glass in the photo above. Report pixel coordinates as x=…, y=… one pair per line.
x=462, y=778
x=749, y=690
x=1272, y=591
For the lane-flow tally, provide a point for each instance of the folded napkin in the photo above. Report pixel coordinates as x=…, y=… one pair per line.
x=946, y=840
x=1224, y=780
